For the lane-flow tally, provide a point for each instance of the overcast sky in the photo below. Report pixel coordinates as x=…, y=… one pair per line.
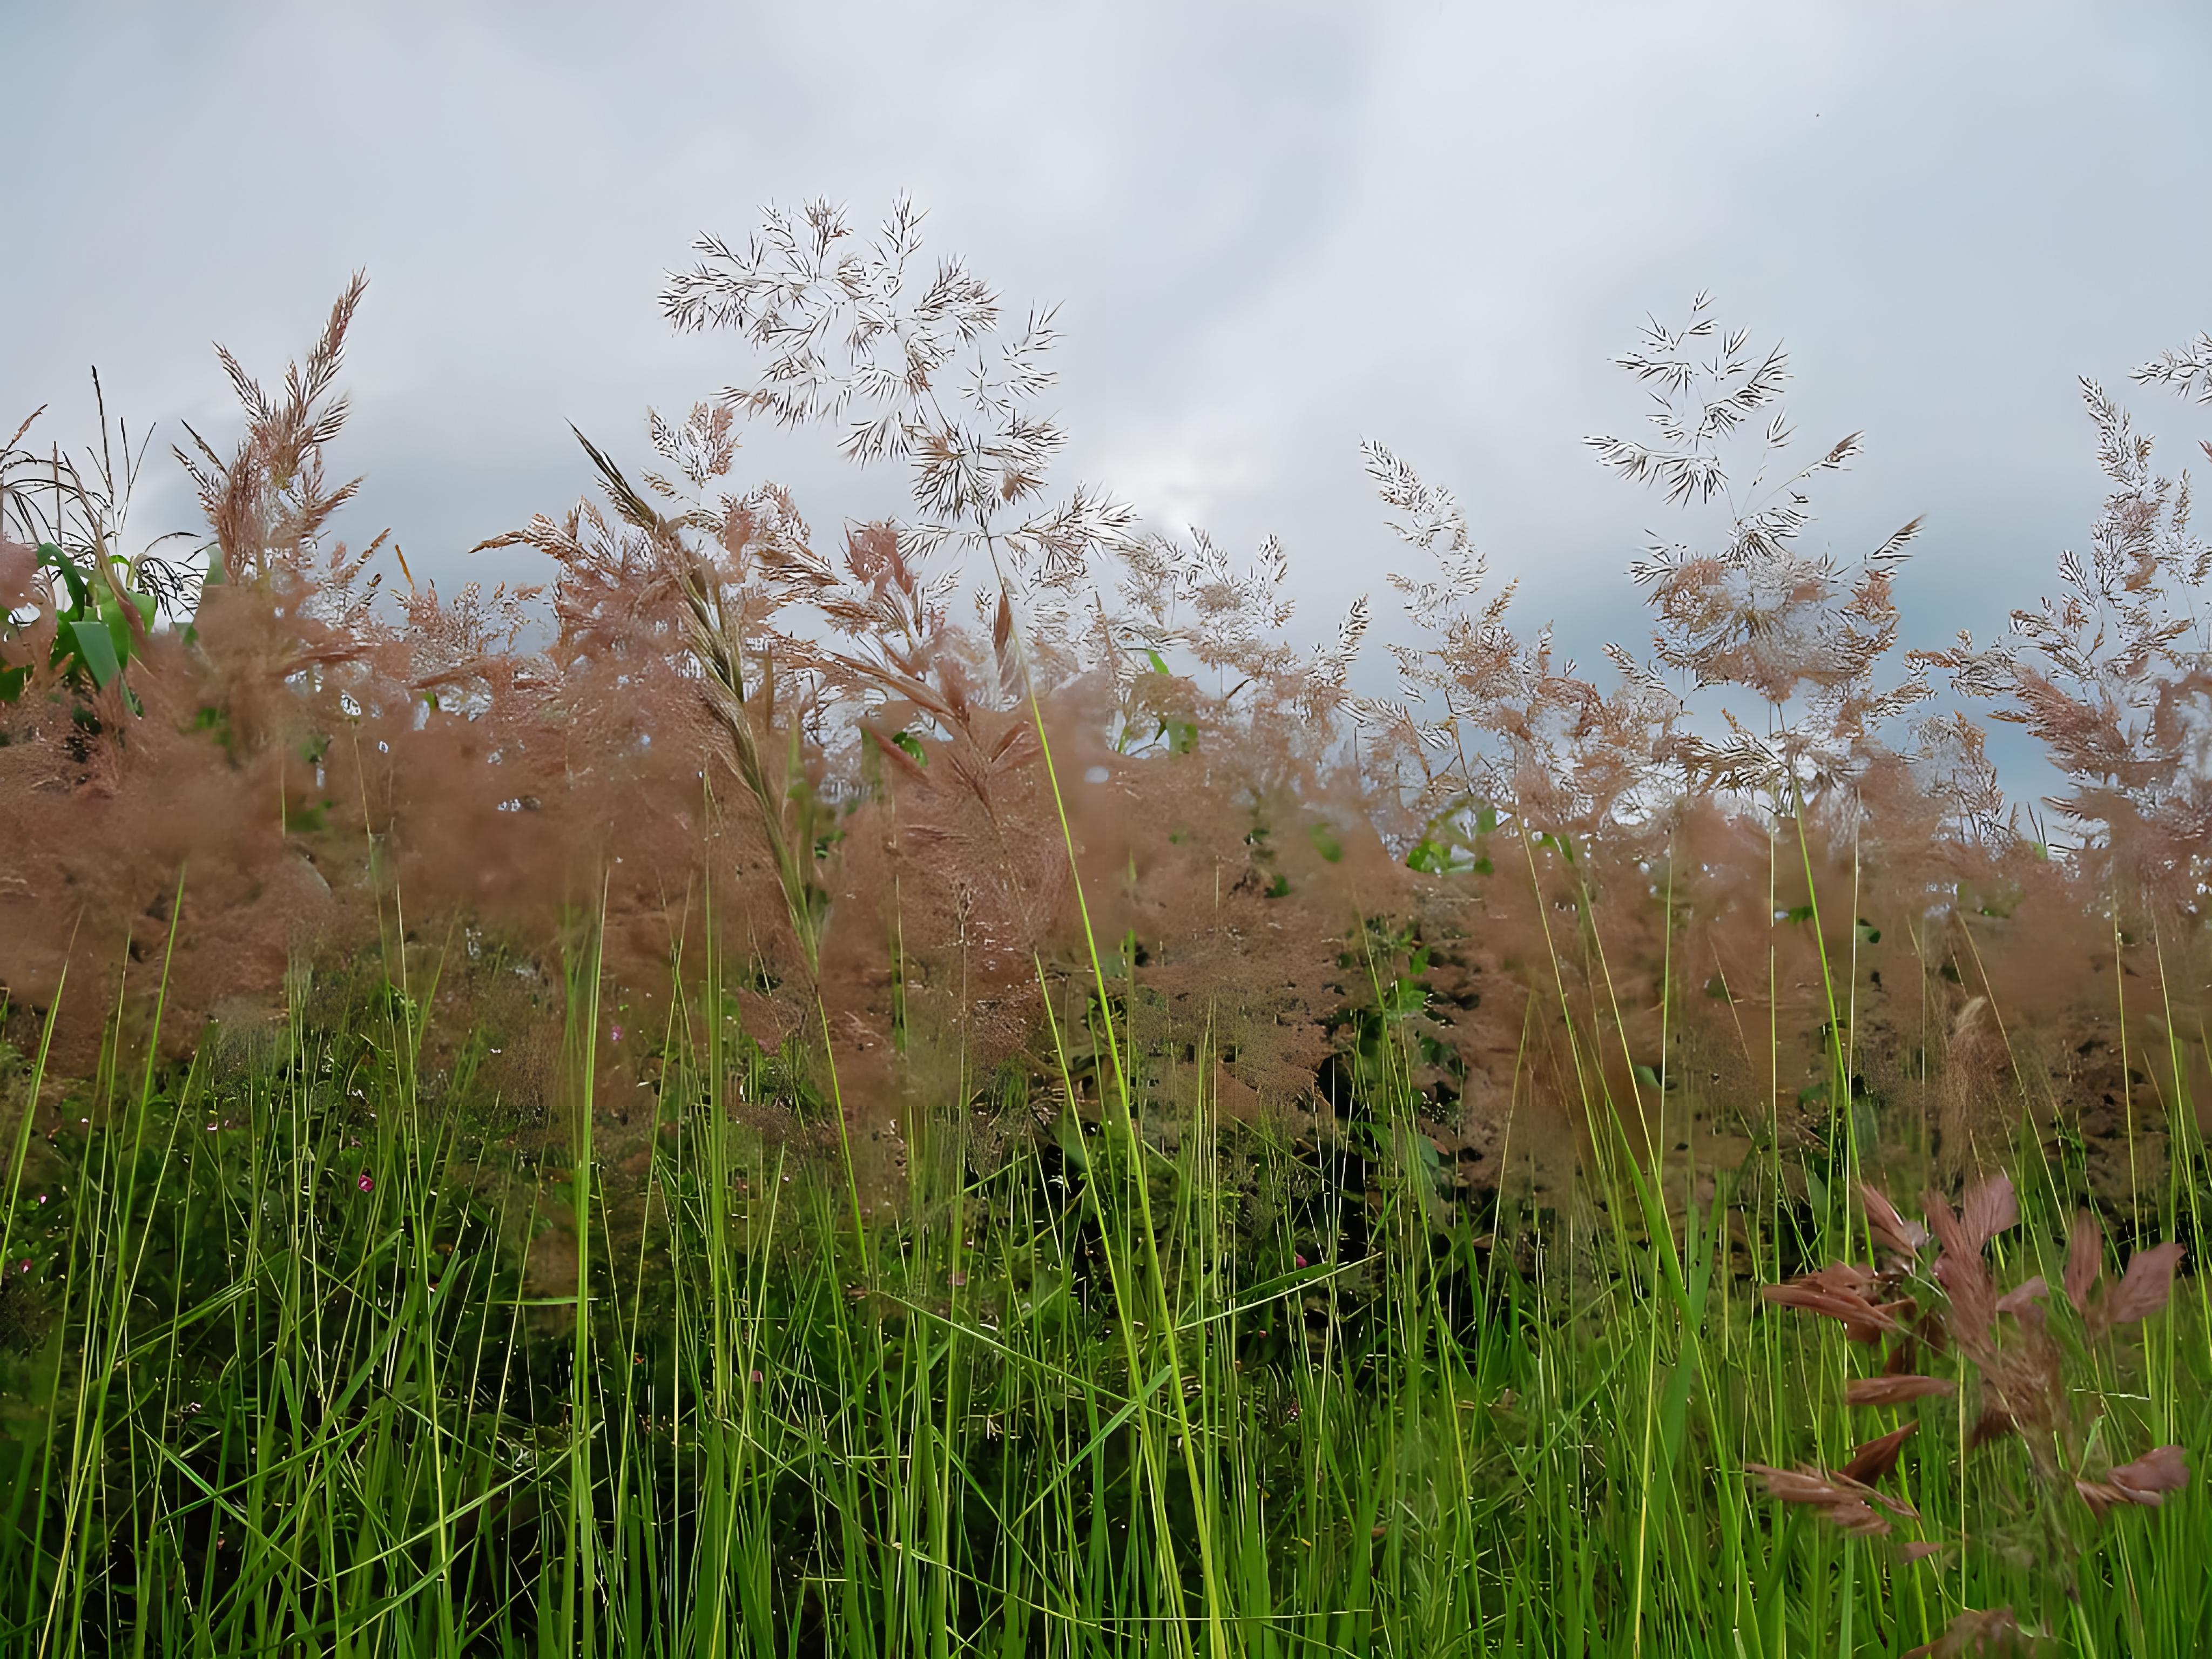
x=1273, y=230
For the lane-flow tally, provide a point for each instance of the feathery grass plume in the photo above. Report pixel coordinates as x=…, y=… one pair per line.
x=724, y=604
x=1518, y=731
x=918, y=369
x=2113, y=675
x=1186, y=615
x=863, y=336
x=270, y=502
x=1760, y=611
x=2026, y=1383
x=1279, y=1224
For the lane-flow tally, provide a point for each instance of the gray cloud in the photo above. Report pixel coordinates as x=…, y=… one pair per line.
x=1274, y=231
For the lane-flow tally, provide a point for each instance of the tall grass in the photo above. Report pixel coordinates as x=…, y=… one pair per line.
x=1333, y=1198
x=1146, y=1385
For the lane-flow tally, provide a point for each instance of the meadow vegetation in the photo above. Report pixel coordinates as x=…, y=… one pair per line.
x=940, y=1088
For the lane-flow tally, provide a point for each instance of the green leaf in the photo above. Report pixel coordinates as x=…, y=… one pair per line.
x=1433, y=857
x=73, y=578
x=911, y=746
x=1325, y=842
x=118, y=628
x=1402, y=998
x=1867, y=933
x=1675, y=1409
x=1428, y=858
x=95, y=649
x=1068, y=1131
x=12, y=682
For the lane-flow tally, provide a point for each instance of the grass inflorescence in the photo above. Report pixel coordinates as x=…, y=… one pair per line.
x=739, y=1114
x=303, y=1358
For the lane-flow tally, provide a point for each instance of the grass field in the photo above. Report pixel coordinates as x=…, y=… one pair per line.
x=300, y=1381
x=773, y=1121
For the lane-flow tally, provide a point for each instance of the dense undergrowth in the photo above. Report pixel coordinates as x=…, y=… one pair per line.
x=733, y=1112
x=297, y=1359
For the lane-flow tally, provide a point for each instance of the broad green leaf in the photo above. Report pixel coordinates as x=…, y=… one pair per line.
x=95, y=649
x=73, y=578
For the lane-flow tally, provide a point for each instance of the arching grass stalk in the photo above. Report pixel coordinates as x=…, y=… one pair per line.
x=1837, y=1224
x=36, y=1085
x=1685, y=1271
x=1141, y=1387
x=118, y=1261
x=739, y=689
x=1122, y=1123
x=2186, y=1156
x=576, y=1587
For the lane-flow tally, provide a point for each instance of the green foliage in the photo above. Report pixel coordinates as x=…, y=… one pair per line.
x=98, y=621
x=309, y=1343
x=335, y=1406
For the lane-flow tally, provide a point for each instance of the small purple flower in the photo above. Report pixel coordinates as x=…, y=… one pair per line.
x=1299, y=1260
x=615, y=1033
x=367, y=1182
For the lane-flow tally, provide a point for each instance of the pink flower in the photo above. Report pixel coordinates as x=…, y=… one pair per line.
x=615, y=1032
x=1298, y=1261
x=367, y=1182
